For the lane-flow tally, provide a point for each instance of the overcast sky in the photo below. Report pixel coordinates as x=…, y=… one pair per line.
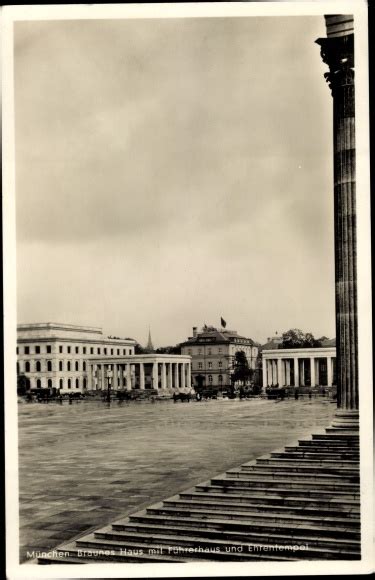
x=170, y=172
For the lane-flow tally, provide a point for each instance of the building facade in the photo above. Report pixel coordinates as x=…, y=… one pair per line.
x=54, y=355
x=299, y=367
x=213, y=352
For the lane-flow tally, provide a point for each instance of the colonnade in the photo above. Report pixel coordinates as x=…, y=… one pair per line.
x=299, y=368
x=149, y=372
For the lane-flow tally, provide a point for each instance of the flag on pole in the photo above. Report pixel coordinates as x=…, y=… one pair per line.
x=223, y=323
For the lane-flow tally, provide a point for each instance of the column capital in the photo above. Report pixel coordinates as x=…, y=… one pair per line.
x=338, y=54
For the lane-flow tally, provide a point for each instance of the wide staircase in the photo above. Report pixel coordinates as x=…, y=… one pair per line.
x=301, y=502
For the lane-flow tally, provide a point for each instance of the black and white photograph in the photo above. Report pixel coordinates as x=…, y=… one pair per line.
x=186, y=217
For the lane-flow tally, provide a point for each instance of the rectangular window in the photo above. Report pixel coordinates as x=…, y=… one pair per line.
x=60, y=365
x=27, y=350
x=68, y=349
x=210, y=365
x=60, y=349
x=49, y=349
x=105, y=351
x=98, y=350
x=37, y=349
x=111, y=350
x=124, y=351
x=118, y=351
x=84, y=350
x=77, y=349
x=91, y=350
x=200, y=365
x=17, y=350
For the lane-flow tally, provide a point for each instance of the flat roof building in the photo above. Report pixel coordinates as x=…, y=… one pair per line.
x=54, y=355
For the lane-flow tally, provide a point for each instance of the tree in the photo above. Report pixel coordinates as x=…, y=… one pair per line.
x=138, y=349
x=169, y=349
x=295, y=338
x=241, y=370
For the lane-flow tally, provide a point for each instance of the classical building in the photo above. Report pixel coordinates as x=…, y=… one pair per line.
x=299, y=367
x=56, y=355
x=213, y=352
x=145, y=371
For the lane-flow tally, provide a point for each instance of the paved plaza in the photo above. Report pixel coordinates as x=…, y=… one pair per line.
x=84, y=465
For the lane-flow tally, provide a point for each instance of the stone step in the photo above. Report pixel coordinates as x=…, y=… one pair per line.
x=224, y=524
x=247, y=491
x=179, y=530
x=256, y=483
x=332, y=435
x=344, y=431
x=279, y=467
x=170, y=540
x=318, y=463
x=322, y=451
x=148, y=547
x=339, y=444
x=315, y=456
x=268, y=509
x=264, y=477
x=252, y=516
x=275, y=500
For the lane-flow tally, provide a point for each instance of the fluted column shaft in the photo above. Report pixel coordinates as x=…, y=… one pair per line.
x=338, y=53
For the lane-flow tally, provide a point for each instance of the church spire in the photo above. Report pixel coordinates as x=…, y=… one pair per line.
x=150, y=346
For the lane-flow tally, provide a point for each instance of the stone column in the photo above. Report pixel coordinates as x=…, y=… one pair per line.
x=102, y=377
x=312, y=371
x=170, y=375
x=189, y=375
x=176, y=381
x=329, y=371
x=264, y=370
x=279, y=372
x=89, y=377
x=296, y=373
x=164, y=376
x=155, y=375
x=141, y=376
x=337, y=51
x=183, y=378
x=115, y=377
x=128, y=377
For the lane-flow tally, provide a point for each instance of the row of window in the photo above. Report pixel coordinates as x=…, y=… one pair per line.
x=38, y=366
x=69, y=383
x=210, y=365
x=77, y=350
x=211, y=351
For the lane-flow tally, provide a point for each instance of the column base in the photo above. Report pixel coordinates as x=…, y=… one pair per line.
x=346, y=419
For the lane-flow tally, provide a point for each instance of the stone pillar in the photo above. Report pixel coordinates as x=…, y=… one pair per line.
x=280, y=372
x=170, y=375
x=329, y=371
x=312, y=371
x=183, y=377
x=102, y=377
x=115, y=377
x=164, y=376
x=264, y=370
x=337, y=51
x=142, y=376
x=89, y=377
x=296, y=373
x=128, y=377
x=176, y=381
x=155, y=376
x=189, y=375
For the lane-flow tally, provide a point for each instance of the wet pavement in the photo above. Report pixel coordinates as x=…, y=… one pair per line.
x=83, y=465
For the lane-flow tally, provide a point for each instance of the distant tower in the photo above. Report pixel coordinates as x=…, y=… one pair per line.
x=150, y=346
